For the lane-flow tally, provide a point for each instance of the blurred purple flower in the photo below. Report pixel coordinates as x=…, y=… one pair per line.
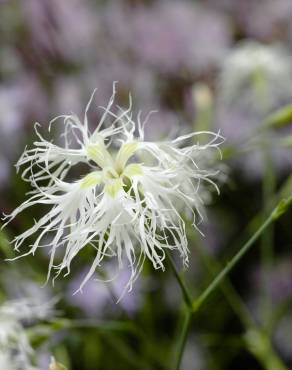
x=214, y=231
x=268, y=20
x=68, y=95
x=283, y=336
x=162, y=124
x=98, y=298
x=4, y=170
x=171, y=36
x=20, y=102
x=278, y=278
x=71, y=91
x=66, y=28
x=265, y=20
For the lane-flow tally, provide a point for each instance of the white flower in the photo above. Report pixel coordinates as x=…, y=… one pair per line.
x=16, y=352
x=258, y=74
x=128, y=205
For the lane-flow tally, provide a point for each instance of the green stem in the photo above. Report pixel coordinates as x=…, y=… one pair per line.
x=126, y=352
x=269, y=184
x=270, y=359
x=278, y=212
x=183, y=339
x=256, y=221
x=259, y=344
x=185, y=292
x=187, y=319
x=231, y=295
x=281, y=208
x=268, y=189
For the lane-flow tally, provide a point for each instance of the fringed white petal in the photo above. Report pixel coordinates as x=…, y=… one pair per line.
x=128, y=207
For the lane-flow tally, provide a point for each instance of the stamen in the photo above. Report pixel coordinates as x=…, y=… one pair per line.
x=113, y=187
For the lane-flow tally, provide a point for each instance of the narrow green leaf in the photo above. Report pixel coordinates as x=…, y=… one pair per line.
x=280, y=118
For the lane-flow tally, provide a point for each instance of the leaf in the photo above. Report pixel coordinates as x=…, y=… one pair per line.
x=280, y=118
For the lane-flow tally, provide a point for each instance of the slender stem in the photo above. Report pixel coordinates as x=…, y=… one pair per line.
x=183, y=339
x=111, y=326
x=255, y=222
x=269, y=184
x=233, y=298
x=259, y=344
x=126, y=352
x=268, y=189
x=185, y=292
x=240, y=308
x=281, y=208
x=200, y=300
x=278, y=211
x=187, y=319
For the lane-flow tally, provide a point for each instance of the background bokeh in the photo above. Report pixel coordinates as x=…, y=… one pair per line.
x=202, y=65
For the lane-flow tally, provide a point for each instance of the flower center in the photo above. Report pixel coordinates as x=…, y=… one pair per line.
x=113, y=171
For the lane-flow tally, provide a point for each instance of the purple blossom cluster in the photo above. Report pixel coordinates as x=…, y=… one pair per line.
x=276, y=281
x=170, y=37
